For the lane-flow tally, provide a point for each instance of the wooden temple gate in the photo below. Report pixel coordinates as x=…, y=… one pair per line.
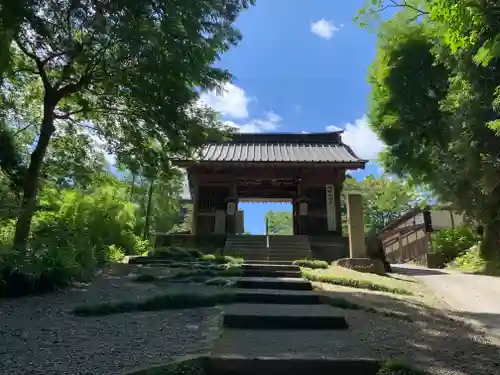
x=306, y=169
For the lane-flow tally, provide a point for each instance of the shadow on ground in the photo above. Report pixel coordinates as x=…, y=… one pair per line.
x=415, y=271
x=434, y=339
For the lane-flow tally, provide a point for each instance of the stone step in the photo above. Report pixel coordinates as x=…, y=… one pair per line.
x=273, y=262
x=285, y=297
x=290, y=365
x=270, y=266
x=271, y=316
x=270, y=273
x=273, y=283
x=289, y=257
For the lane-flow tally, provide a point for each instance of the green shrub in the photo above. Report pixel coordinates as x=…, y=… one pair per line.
x=453, y=242
x=311, y=263
x=74, y=233
x=176, y=253
x=221, y=259
x=208, y=258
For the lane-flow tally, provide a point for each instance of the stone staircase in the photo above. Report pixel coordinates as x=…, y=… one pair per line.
x=276, y=302
x=281, y=248
x=249, y=247
x=289, y=248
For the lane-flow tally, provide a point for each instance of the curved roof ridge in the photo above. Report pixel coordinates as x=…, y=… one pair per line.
x=310, y=138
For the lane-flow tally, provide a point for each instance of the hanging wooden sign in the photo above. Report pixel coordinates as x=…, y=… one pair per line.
x=231, y=208
x=303, y=208
x=330, y=208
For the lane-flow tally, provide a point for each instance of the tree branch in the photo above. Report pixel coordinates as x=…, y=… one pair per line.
x=39, y=65
x=22, y=129
x=71, y=88
x=67, y=115
x=404, y=4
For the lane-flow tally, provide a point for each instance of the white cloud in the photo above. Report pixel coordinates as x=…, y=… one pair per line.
x=363, y=141
x=305, y=132
x=231, y=102
x=324, y=29
x=269, y=123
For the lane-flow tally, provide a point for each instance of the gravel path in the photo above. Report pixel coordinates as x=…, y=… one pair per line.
x=474, y=297
x=38, y=335
x=433, y=343
x=435, y=339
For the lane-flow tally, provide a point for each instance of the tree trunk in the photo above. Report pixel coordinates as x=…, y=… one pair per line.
x=132, y=187
x=28, y=206
x=149, y=208
x=490, y=245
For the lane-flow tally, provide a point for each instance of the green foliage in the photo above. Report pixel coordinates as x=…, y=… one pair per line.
x=279, y=222
x=384, y=199
x=164, y=302
x=472, y=261
x=74, y=234
x=221, y=259
x=434, y=102
x=469, y=260
x=177, y=253
x=66, y=68
x=311, y=263
x=453, y=242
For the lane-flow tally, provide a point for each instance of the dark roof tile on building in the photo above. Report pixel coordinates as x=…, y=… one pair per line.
x=280, y=148
x=271, y=152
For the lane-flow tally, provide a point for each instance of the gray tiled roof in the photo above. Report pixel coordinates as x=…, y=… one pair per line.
x=276, y=152
x=281, y=147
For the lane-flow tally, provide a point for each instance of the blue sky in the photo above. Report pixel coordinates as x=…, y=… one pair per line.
x=301, y=66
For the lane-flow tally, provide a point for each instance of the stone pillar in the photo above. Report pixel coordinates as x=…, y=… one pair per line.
x=357, y=247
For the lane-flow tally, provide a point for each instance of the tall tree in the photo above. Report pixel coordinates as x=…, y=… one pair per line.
x=384, y=199
x=133, y=69
x=435, y=106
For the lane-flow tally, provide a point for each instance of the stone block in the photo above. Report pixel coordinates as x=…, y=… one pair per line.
x=366, y=265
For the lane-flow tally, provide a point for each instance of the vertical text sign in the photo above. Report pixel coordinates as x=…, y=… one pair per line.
x=330, y=207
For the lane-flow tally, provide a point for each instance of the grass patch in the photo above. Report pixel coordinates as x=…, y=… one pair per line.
x=354, y=279
x=164, y=302
x=472, y=262
x=311, y=263
x=221, y=259
x=196, y=274
x=398, y=368
x=176, y=253
x=343, y=303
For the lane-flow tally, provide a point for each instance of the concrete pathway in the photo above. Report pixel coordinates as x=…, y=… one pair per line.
x=475, y=297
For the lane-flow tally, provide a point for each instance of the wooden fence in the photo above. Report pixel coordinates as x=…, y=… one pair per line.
x=409, y=237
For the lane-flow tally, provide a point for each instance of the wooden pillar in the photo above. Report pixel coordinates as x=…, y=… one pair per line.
x=232, y=201
x=295, y=216
x=196, y=203
x=301, y=220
